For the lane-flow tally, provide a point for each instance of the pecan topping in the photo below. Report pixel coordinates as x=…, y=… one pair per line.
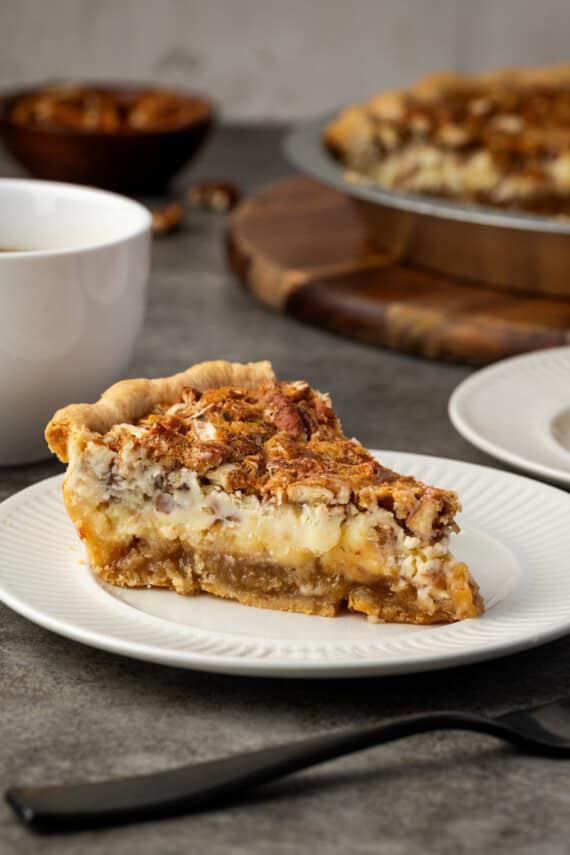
x=283, y=442
x=282, y=412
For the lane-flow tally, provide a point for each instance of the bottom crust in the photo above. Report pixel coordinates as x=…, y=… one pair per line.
x=264, y=584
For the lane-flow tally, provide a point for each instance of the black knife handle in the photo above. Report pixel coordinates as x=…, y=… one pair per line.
x=190, y=788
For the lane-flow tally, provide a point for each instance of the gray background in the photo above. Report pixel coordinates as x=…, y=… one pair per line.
x=273, y=58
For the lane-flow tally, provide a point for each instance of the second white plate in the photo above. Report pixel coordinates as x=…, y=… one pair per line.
x=515, y=537
x=518, y=410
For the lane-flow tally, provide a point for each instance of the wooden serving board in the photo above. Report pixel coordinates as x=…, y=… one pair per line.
x=300, y=248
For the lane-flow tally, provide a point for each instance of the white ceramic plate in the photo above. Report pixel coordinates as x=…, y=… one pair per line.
x=515, y=537
x=518, y=410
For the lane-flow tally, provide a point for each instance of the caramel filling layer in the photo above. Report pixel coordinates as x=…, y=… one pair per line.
x=303, y=589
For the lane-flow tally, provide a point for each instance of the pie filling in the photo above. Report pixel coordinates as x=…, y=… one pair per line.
x=473, y=175
x=503, y=141
x=145, y=525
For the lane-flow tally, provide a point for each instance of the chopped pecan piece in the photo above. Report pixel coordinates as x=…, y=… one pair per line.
x=167, y=219
x=88, y=108
x=284, y=414
x=214, y=195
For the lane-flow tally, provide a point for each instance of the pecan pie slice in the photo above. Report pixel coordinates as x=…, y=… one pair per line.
x=221, y=479
x=501, y=139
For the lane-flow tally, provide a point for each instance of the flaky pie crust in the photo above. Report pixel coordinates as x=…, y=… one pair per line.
x=129, y=400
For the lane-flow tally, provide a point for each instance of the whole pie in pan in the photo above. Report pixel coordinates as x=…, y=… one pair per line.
x=499, y=139
x=221, y=479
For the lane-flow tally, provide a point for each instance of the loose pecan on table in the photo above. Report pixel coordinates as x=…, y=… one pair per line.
x=167, y=219
x=219, y=194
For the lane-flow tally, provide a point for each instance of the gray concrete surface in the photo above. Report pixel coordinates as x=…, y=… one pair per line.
x=69, y=712
x=269, y=59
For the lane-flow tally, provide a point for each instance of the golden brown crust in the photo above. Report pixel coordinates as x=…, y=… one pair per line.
x=443, y=83
x=130, y=400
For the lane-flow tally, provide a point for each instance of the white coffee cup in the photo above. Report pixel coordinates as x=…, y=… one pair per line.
x=74, y=265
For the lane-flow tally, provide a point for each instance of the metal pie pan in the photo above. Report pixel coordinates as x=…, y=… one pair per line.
x=504, y=249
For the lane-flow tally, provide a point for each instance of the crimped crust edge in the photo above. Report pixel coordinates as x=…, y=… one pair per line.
x=129, y=400
x=390, y=103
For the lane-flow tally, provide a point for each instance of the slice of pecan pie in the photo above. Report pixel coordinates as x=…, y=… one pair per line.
x=501, y=139
x=221, y=479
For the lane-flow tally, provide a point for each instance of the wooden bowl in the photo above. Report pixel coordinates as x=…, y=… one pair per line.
x=130, y=161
